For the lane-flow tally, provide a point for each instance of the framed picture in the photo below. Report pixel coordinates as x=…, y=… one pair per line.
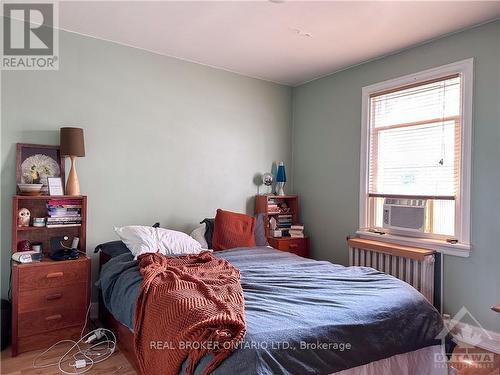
x=35, y=163
x=55, y=186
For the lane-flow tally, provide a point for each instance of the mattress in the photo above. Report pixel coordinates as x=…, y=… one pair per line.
x=303, y=316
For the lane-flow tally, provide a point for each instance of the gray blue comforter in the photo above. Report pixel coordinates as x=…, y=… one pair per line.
x=303, y=316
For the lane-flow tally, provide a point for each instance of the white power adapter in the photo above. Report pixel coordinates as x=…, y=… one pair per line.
x=98, y=334
x=81, y=363
x=96, y=353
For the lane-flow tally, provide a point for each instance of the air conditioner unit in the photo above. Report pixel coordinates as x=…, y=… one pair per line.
x=404, y=214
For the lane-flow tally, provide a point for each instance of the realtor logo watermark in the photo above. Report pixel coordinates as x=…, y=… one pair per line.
x=30, y=36
x=466, y=352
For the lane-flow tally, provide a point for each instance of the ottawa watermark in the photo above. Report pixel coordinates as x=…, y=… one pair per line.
x=30, y=36
x=467, y=334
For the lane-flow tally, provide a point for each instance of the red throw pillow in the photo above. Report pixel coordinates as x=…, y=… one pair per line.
x=232, y=230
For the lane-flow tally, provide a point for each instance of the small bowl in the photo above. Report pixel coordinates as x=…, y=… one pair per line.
x=30, y=188
x=39, y=222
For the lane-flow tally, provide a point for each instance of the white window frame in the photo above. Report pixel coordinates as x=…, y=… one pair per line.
x=466, y=70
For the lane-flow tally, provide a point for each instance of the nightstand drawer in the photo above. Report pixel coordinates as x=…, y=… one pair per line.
x=297, y=246
x=71, y=295
x=31, y=323
x=53, y=275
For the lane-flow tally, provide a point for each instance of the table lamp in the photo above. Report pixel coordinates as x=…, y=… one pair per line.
x=280, y=179
x=72, y=145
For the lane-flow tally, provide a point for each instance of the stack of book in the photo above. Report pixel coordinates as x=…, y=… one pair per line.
x=64, y=213
x=284, y=223
x=296, y=231
x=272, y=206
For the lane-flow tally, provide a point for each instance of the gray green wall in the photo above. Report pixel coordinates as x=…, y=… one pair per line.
x=326, y=148
x=166, y=140
x=171, y=141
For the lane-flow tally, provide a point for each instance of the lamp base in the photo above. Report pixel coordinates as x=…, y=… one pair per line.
x=73, y=185
x=280, y=188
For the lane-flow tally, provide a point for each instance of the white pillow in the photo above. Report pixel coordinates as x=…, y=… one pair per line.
x=142, y=239
x=198, y=234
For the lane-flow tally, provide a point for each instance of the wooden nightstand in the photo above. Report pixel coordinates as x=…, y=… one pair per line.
x=285, y=209
x=49, y=302
x=49, y=298
x=299, y=246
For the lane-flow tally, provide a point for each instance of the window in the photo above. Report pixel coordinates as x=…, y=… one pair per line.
x=415, y=167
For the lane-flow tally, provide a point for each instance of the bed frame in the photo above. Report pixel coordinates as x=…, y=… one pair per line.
x=123, y=334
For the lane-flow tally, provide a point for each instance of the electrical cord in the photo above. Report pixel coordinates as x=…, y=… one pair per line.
x=102, y=344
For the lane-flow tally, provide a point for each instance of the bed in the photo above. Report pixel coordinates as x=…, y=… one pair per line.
x=303, y=317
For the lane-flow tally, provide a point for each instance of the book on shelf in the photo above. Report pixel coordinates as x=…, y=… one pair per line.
x=64, y=218
x=64, y=212
x=64, y=225
x=64, y=206
x=63, y=201
x=281, y=226
x=62, y=222
x=296, y=231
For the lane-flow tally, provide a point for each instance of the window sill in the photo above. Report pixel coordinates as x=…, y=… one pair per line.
x=458, y=249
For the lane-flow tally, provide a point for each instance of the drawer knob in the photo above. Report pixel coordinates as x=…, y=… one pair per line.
x=53, y=317
x=53, y=275
x=51, y=297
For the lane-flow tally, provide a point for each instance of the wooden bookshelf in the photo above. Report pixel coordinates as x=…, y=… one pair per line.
x=262, y=206
x=50, y=299
x=37, y=205
x=299, y=246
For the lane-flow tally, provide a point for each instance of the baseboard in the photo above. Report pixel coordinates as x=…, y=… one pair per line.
x=474, y=335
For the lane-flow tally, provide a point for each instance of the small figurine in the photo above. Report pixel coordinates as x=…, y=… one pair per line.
x=23, y=217
x=35, y=176
x=273, y=224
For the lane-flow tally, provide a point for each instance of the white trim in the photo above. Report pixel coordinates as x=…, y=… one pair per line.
x=462, y=222
x=467, y=73
x=490, y=340
x=364, y=158
x=458, y=249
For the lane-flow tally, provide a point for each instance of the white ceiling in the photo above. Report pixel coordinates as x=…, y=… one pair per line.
x=288, y=42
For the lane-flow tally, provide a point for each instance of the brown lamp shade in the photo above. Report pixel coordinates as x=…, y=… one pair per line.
x=72, y=143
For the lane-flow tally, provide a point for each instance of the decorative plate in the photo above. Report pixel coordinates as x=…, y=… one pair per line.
x=37, y=168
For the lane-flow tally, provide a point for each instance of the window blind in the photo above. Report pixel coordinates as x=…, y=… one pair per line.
x=415, y=140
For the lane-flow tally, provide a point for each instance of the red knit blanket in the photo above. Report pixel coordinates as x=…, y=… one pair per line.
x=188, y=306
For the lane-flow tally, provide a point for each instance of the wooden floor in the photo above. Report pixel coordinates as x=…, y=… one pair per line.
x=117, y=364
x=467, y=363
x=23, y=364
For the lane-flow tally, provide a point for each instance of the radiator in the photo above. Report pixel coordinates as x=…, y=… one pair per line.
x=412, y=265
